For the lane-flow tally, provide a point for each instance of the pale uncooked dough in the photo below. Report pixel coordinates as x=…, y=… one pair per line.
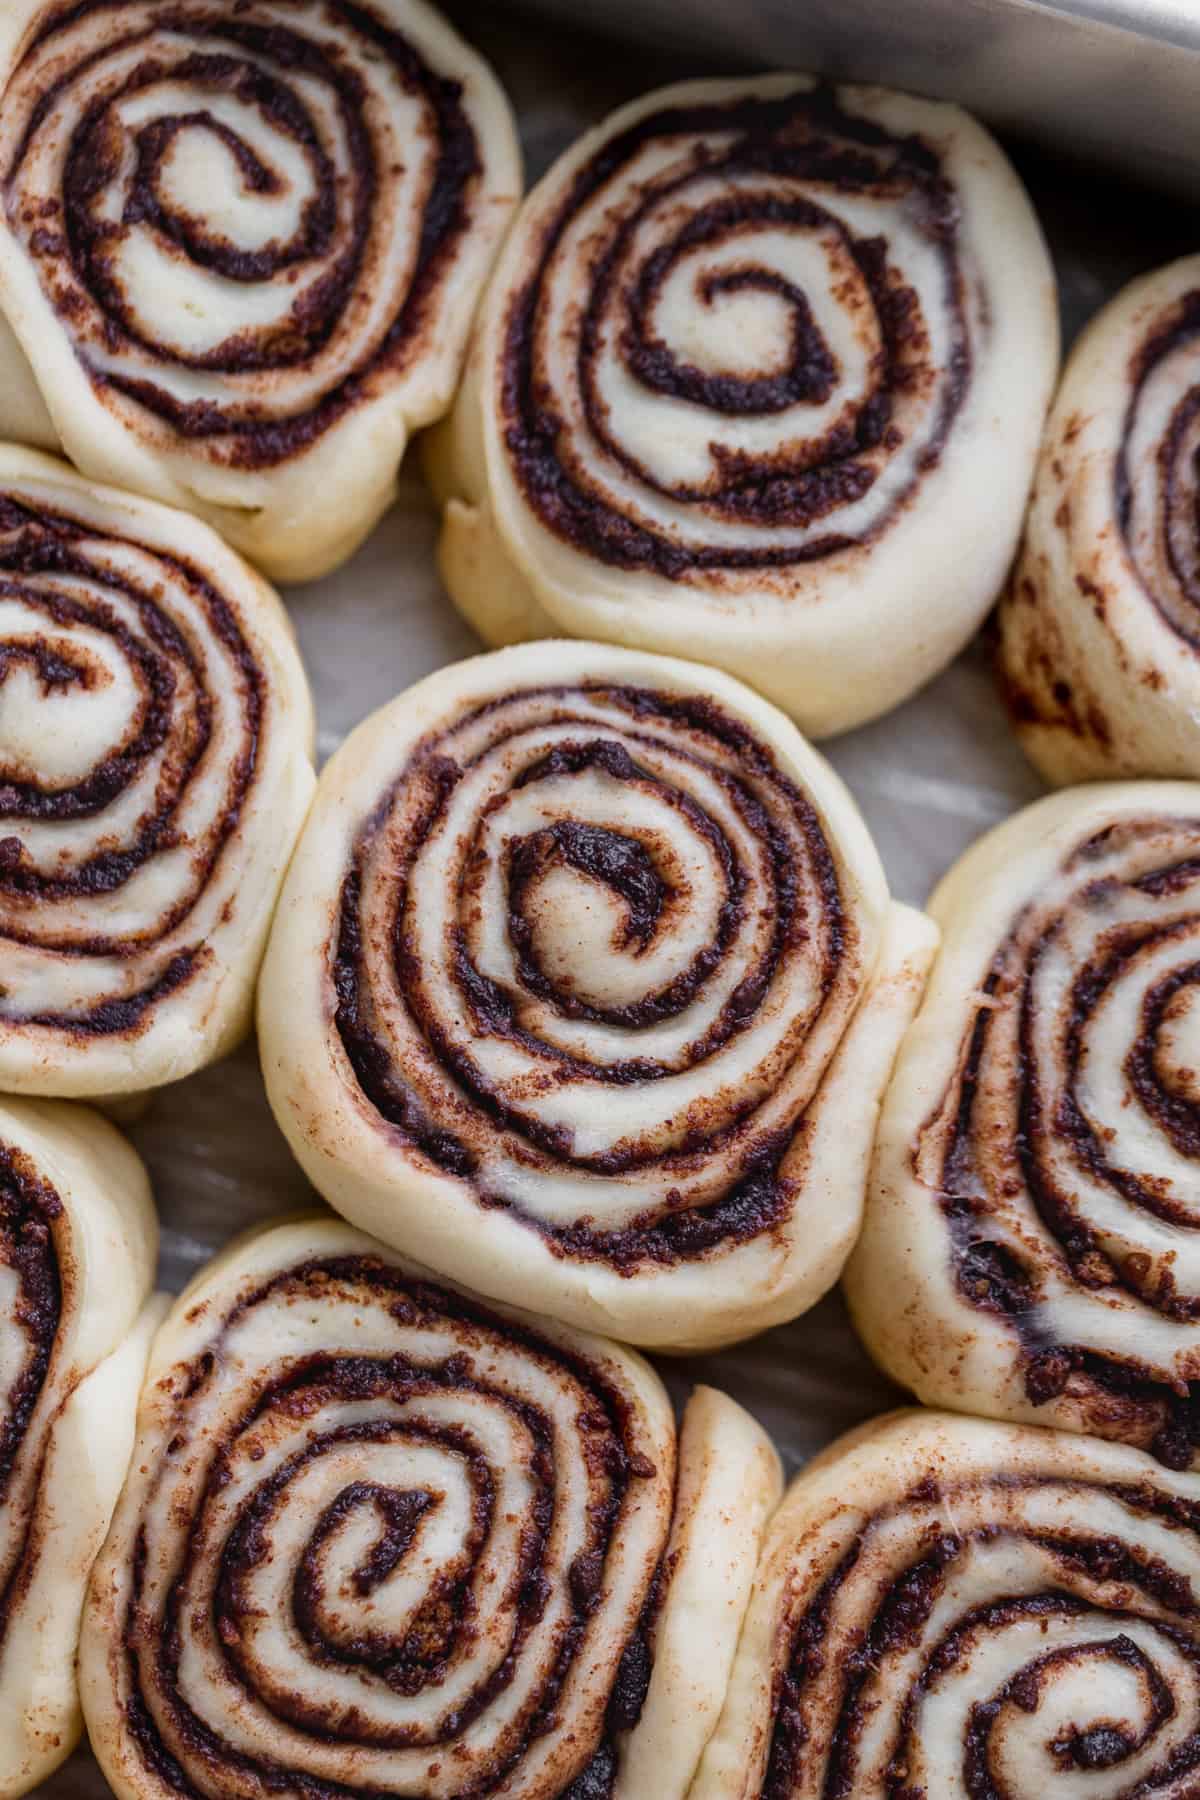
x=280, y=222
x=1030, y=1249
x=952, y=1608
x=156, y=730
x=584, y=987
x=759, y=379
x=78, y=1239
x=353, y=1461
x=1100, y=629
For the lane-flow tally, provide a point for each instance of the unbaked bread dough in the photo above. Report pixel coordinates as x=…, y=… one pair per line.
x=584, y=987
x=952, y=1608
x=1100, y=630
x=759, y=379
x=241, y=245
x=155, y=767
x=429, y=1548
x=1031, y=1248
x=78, y=1239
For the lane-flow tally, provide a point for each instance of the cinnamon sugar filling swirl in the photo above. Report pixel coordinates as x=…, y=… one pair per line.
x=948, y=1609
x=78, y=1238
x=759, y=379
x=240, y=248
x=1032, y=1240
x=584, y=987
x=382, y=1540
x=155, y=745
x=1099, y=651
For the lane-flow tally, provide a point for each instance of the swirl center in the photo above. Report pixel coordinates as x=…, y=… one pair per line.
x=742, y=340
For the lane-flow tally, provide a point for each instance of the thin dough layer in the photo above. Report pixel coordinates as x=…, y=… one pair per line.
x=759, y=379
x=78, y=1239
x=1031, y=1247
x=584, y=987
x=155, y=767
x=949, y=1609
x=1099, y=651
x=380, y=1539
x=241, y=243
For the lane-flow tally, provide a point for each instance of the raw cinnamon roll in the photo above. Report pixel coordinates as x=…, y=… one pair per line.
x=241, y=242
x=381, y=1540
x=1032, y=1241
x=1099, y=651
x=948, y=1609
x=584, y=988
x=77, y=1247
x=155, y=731
x=759, y=379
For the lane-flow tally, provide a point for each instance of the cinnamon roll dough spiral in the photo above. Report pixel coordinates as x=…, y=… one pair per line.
x=77, y=1246
x=379, y=1539
x=584, y=987
x=155, y=745
x=1099, y=650
x=1031, y=1247
x=241, y=242
x=950, y=1609
x=759, y=379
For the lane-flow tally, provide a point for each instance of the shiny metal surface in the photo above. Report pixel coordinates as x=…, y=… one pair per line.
x=1115, y=81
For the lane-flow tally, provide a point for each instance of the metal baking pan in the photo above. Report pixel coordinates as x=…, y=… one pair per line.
x=1110, y=80
x=1094, y=77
